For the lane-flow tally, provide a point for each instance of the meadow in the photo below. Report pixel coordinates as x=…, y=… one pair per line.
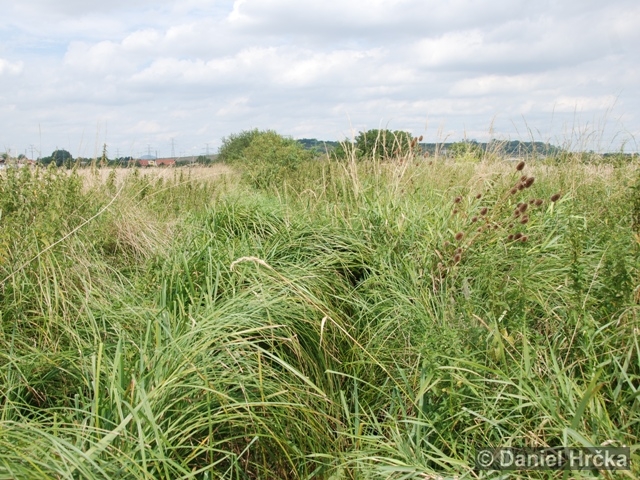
x=345, y=320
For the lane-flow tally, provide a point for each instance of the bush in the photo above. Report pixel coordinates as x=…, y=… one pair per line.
x=234, y=145
x=378, y=145
x=60, y=158
x=265, y=157
x=469, y=150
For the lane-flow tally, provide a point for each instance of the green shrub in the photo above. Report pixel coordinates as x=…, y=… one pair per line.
x=233, y=146
x=469, y=150
x=378, y=145
x=265, y=157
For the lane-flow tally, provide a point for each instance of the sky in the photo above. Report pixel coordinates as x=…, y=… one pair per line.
x=177, y=76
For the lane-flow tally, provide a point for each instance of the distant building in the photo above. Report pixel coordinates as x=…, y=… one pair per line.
x=16, y=163
x=155, y=162
x=165, y=162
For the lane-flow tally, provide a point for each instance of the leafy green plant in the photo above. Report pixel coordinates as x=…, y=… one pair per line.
x=265, y=157
x=378, y=144
x=468, y=150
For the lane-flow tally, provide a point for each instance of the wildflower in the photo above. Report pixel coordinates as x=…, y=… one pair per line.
x=479, y=196
x=523, y=178
x=555, y=197
x=455, y=211
x=538, y=202
x=510, y=237
x=457, y=258
x=524, y=220
x=459, y=236
x=523, y=207
x=529, y=182
x=474, y=219
x=524, y=238
x=457, y=200
x=513, y=191
x=517, y=236
x=484, y=210
x=520, y=166
x=420, y=138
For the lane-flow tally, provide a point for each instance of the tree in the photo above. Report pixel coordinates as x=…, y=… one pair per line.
x=466, y=150
x=378, y=145
x=234, y=145
x=271, y=148
x=266, y=158
x=59, y=157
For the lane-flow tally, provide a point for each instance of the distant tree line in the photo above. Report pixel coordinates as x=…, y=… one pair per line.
x=375, y=143
x=384, y=139
x=63, y=158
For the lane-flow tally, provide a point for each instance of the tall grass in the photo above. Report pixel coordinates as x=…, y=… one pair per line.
x=358, y=320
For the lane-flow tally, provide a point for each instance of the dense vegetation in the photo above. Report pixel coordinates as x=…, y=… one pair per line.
x=377, y=319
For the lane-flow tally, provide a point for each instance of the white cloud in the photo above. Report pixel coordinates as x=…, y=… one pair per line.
x=496, y=84
x=10, y=68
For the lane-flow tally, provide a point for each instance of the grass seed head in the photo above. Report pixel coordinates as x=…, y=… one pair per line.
x=555, y=197
x=520, y=166
x=529, y=182
x=538, y=202
x=459, y=236
x=457, y=200
x=524, y=220
x=484, y=210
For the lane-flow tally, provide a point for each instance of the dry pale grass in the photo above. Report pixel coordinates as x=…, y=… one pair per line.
x=98, y=176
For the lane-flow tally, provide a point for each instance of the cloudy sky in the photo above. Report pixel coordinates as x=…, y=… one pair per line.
x=141, y=74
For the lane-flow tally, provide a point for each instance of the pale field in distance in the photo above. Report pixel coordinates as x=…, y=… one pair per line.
x=99, y=176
